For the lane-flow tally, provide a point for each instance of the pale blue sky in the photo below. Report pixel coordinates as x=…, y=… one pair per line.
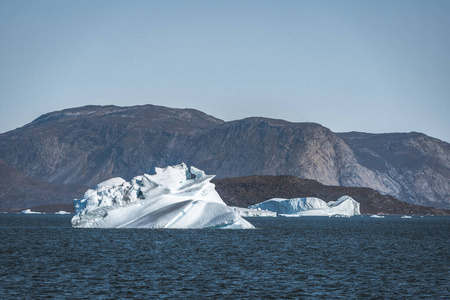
x=374, y=66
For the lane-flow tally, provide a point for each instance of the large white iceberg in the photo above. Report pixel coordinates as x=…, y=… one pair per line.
x=310, y=206
x=175, y=197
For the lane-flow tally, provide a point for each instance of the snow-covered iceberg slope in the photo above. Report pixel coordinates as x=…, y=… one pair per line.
x=175, y=197
x=249, y=212
x=310, y=206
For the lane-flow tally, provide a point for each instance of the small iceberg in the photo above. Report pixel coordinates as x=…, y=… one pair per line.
x=377, y=216
x=62, y=212
x=339, y=216
x=28, y=211
x=310, y=206
x=406, y=217
x=175, y=197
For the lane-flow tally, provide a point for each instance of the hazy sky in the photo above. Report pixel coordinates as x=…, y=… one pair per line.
x=374, y=66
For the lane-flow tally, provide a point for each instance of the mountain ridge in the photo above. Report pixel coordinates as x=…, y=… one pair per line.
x=89, y=144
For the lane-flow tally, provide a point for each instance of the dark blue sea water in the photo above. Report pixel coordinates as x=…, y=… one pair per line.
x=316, y=257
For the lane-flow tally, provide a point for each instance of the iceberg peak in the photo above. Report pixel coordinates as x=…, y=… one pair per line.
x=110, y=182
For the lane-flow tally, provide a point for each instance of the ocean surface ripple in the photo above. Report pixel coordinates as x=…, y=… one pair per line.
x=339, y=258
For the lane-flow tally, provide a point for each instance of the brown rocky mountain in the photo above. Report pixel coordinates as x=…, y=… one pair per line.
x=83, y=146
x=89, y=144
x=417, y=166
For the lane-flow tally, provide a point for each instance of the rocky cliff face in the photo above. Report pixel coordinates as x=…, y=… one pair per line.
x=261, y=146
x=89, y=144
x=416, y=167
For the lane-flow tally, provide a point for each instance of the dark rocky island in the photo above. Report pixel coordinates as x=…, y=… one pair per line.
x=249, y=190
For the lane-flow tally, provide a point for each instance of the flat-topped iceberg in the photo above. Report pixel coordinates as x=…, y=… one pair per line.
x=310, y=206
x=377, y=216
x=175, y=197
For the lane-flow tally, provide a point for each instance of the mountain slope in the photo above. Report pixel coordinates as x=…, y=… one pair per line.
x=90, y=144
x=262, y=146
x=18, y=192
x=86, y=145
x=419, y=164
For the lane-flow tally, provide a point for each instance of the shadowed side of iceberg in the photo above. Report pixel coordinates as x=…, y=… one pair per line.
x=189, y=214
